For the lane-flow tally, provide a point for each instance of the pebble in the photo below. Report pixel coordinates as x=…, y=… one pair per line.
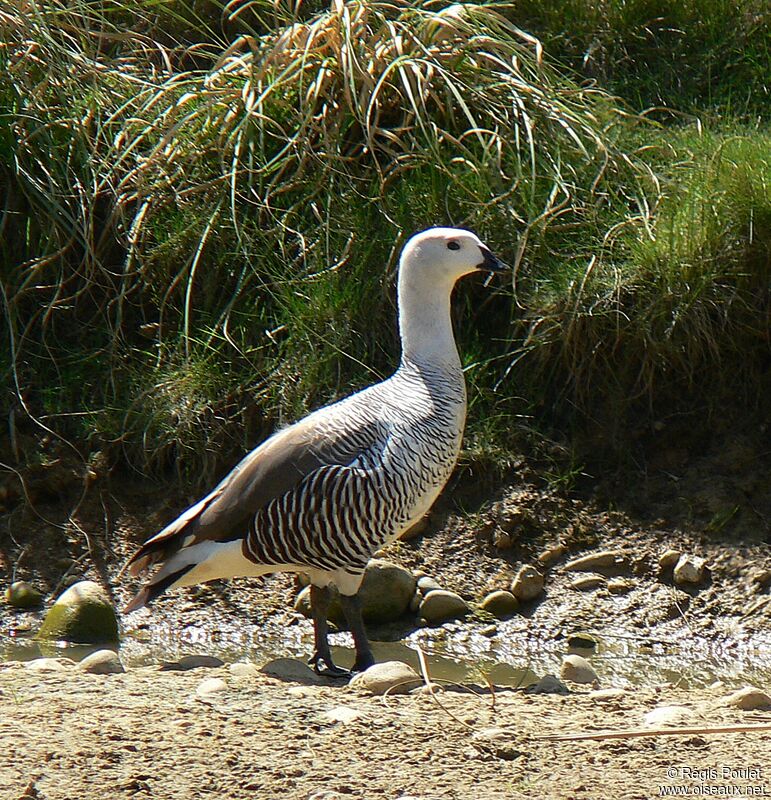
x=551, y=555
x=102, y=662
x=21, y=594
x=244, y=669
x=343, y=714
x=601, y=695
x=527, y=584
x=577, y=669
x=500, y=604
x=393, y=677
x=441, y=605
x=747, y=699
x=211, y=686
x=548, y=684
x=583, y=640
x=669, y=716
x=50, y=664
x=428, y=584
x=594, y=562
x=417, y=598
x=292, y=670
x=503, y=540
x=619, y=586
x=689, y=570
x=667, y=560
x=192, y=662
x=428, y=688
x=587, y=583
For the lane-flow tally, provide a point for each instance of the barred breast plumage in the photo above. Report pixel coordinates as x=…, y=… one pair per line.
x=322, y=495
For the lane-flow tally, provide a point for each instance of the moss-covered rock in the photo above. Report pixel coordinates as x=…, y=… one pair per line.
x=21, y=594
x=385, y=593
x=83, y=613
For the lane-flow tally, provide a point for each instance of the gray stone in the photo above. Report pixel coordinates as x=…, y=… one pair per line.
x=83, y=613
x=689, y=570
x=441, y=605
x=587, y=583
x=500, y=604
x=747, y=699
x=292, y=670
x=548, y=684
x=192, y=662
x=102, y=662
x=527, y=584
x=598, y=562
x=577, y=669
x=385, y=594
x=21, y=594
x=428, y=584
x=392, y=677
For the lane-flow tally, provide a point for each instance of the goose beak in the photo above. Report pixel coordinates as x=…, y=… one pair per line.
x=490, y=263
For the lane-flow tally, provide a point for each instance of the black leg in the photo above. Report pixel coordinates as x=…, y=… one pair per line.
x=321, y=660
x=352, y=610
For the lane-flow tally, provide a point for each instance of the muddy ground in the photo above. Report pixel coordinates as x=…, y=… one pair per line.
x=148, y=734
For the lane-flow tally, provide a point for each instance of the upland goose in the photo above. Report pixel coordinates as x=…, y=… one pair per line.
x=322, y=495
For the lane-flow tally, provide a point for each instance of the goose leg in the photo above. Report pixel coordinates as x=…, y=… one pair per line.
x=352, y=610
x=321, y=660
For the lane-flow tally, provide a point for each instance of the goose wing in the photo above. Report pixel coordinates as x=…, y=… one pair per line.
x=269, y=471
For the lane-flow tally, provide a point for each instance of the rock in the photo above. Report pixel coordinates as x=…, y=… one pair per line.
x=667, y=561
x=83, y=613
x=385, y=594
x=552, y=555
x=244, y=669
x=21, y=594
x=584, y=641
x=427, y=584
x=747, y=699
x=191, y=662
x=549, y=684
x=428, y=688
x=503, y=540
x=292, y=670
x=598, y=562
x=343, y=714
x=577, y=669
x=604, y=695
x=50, y=664
x=440, y=606
x=619, y=586
x=417, y=599
x=527, y=584
x=102, y=662
x=393, y=677
x=587, y=583
x=689, y=570
x=499, y=741
x=211, y=686
x=669, y=717
x=500, y=604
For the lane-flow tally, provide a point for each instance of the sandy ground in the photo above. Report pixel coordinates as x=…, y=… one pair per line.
x=151, y=734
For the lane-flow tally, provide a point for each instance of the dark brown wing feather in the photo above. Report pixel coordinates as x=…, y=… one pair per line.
x=270, y=470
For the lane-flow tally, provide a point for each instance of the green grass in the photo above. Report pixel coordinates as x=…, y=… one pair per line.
x=203, y=208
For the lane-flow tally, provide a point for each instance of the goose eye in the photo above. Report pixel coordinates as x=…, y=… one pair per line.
x=453, y=245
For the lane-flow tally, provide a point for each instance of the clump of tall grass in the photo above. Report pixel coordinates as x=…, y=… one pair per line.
x=183, y=210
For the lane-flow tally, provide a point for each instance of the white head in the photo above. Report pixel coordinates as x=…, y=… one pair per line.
x=440, y=256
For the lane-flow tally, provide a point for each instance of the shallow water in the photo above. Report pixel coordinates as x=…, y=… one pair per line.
x=456, y=652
